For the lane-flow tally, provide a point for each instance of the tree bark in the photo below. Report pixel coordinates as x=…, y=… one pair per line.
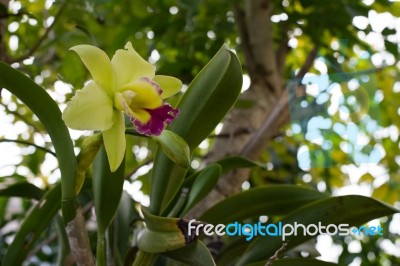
x=255, y=30
x=250, y=130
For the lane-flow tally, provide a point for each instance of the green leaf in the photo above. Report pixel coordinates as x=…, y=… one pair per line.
x=392, y=47
x=227, y=164
x=31, y=228
x=122, y=224
x=89, y=148
x=244, y=104
x=13, y=178
x=297, y=262
x=202, y=185
x=209, y=97
x=195, y=254
x=231, y=250
x=352, y=210
x=387, y=31
x=162, y=234
x=175, y=147
x=234, y=162
x=107, y=191
x=21, y=189
x=63, y=244
x=268, y=200
x=3, y=209
x=43, y=106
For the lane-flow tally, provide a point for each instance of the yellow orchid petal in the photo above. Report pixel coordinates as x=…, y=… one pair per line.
x=146, y=96
x=168, y=84
x=98, y=64
x=89, y=109
x=129, y=66
x=114, y=141
x=140, y=115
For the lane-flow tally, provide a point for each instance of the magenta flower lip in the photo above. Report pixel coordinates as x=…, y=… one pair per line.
x=160, y=117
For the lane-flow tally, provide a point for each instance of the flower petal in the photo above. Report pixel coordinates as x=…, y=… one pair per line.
x=89, y=109
x=146, y=95
x=159, y=117
x=98, y=64
x=169, y=85
x=114, y=141
x=129, y=66
x=140, y=115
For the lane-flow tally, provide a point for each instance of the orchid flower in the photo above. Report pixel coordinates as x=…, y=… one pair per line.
x=126, y=84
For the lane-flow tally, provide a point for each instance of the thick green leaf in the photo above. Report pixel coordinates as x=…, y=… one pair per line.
x=244, y=104
x=175, y=147
x=21, y=189
x=209, y=97
x=43, y=106
x=232, y=250
x=202, y=185
x=297, y=262
x=227, y=165
x=352, y=210
x=159, y=223
x=234, y=162
x=30, y=230
x=268, y=200
x=107, y=191
x=195, y=254
x=162, y=234
x=122, y=225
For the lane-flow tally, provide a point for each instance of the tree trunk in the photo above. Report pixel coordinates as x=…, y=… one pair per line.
x=246, y=132
x=241, y=125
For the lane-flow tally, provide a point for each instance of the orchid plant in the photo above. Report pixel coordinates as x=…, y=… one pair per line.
x=126, y=84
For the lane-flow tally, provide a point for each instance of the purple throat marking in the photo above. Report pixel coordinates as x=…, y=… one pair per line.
x=159, y=118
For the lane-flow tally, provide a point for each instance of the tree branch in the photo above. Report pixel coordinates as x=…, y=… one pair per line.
x=277, y=254
x=244, y=38
x=37, y=45
x=29, y=144
x=282, y=50
x=308, y=63
x=134, y=170
x=10, y=15
x=264, y=133
x=21, y=117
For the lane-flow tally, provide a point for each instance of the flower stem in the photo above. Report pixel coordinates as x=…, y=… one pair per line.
x=144, y=259
x=100, y=252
